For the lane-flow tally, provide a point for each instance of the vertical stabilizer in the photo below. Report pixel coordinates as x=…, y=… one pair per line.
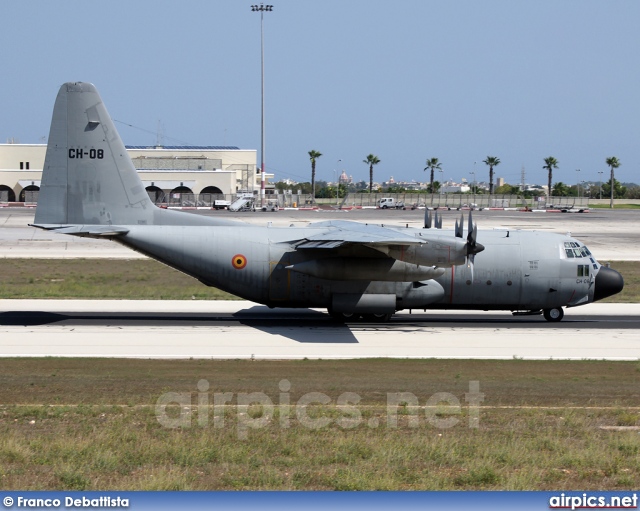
x=88, y=177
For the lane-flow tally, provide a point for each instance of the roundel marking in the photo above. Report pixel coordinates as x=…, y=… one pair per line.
x=239, y=261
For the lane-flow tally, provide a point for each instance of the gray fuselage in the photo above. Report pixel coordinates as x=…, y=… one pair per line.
x=518, y=270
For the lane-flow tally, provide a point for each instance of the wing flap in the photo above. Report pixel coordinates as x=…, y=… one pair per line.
x=341, y=232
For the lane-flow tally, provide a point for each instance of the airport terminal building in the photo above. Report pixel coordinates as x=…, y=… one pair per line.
x=191, y=174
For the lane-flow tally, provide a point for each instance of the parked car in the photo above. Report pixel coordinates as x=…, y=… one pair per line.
x=390, y=203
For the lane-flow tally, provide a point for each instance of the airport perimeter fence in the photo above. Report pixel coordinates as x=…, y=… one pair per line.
x=463, y=200
x=208, y=200
x=449, y=200
x=359, y=200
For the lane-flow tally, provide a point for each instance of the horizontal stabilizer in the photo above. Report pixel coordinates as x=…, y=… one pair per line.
x=86, y=231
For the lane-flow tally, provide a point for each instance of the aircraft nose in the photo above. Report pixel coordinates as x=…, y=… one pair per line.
x=608, y=282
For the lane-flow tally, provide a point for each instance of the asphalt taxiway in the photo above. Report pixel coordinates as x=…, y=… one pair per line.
x=239, y=329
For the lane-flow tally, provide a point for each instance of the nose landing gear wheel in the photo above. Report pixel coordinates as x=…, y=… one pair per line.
x=553, y=315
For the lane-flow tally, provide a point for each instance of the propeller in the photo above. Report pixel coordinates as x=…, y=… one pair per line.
x=459, y=227
x=430, y=221
x=473, y=247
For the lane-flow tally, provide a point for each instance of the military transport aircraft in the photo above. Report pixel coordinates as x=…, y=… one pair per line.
x=90, y=188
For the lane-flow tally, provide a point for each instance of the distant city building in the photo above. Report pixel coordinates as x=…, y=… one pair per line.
x=344, y=179
x=451, y=187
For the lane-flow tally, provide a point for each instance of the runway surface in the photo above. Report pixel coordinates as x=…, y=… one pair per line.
x=239, y=329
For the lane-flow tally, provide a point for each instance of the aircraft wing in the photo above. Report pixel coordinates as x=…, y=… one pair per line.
x=341, y=232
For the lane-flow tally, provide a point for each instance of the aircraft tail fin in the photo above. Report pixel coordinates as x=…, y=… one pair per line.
x=88, y=177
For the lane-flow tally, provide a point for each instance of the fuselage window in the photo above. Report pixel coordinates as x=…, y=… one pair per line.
x=580, y=271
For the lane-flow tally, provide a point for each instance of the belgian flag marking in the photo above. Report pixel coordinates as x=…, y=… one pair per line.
x=239, y=261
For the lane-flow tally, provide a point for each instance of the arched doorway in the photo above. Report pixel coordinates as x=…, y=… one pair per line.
x=7, y=194
x=182, y=196
x=29, y=194
x=156, y=194
x=208, y=195
x=213, y=190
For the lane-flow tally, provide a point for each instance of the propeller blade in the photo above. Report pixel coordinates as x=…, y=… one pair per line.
x=438, y=222
x=473, y=231
x=470, y=261
x=427, y=219
x=460, y=227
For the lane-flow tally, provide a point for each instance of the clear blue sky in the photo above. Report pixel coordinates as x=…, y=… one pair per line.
x=405, y=80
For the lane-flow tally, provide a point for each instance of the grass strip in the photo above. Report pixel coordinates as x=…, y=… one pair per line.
x=145, y=279
x=539, y=425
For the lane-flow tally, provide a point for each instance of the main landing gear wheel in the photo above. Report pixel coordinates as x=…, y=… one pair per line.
x=553, y=315
x=344, y=317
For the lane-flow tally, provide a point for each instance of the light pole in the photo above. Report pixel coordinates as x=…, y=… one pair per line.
x=473, y=185
x=441, y=183
x=474, y=182
x=578, y=181
x=261, y=9
x=600, y=172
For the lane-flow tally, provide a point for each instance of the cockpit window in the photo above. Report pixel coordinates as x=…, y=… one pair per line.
x=573, y=249
x=583, y=270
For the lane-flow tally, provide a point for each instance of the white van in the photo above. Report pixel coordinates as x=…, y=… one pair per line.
x=390, y=203
x=387, y=202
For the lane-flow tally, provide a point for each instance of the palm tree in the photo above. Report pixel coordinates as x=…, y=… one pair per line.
x=371, y=161
x=433, y=164
x=614, y=163
x=560, y=190
x=313, y=156
x=550, y=164
x=492, y=161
